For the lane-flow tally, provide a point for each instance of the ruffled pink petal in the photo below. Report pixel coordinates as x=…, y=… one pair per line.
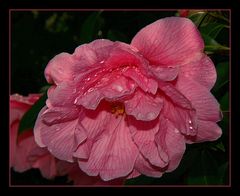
x=174, y=143
x=13, y=142
x=59, y=138
x=60, y=114
x=93, y=123
x=144, y=167
x=143, y=134
x=47, y=165
x=164, y=73
x=60, y=68
x=144, y=106
x=24, y=146
x=207, y=107
x=111, y=88
x=169, y=41
x=207, y=131
x=201, y=69
x=171, y=143
x=183, y=119
x=133, y=174
x=113, y=155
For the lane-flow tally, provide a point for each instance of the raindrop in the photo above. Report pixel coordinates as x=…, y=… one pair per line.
x=102, y=62
x=90, y=90
x=150, y=115
x=190, y=121
x=118, y=88
x=88, y=79
x=76, y=100
x=176, y=131
x=110, y=70
x=190, y=127
x=74, y=90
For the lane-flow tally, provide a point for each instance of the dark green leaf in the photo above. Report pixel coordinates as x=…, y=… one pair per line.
x=205, y=170
x=28, y=120
x=212, y=29
x=222, y=75
x=224, y=102
x=223, y=171
x=91, y=27
x=116, y=36
x=212, y=45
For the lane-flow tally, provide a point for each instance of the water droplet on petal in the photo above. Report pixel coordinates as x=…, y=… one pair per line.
x=190, y=127
x=74, y=90
x=76, y=100
x=102, y=62
x=88, y=79
x=150, y=115
x=90, y=90
x=118, y=88
x=190, y=121
x=176, y=131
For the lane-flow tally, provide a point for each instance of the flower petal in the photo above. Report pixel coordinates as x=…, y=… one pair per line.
x=143, y=134
x=143, y=106
x=169, y=41
x=207, y=107
x=175, y=143
x=144, y=167
x=201, y=70
x=59, y=138
x=207, y=131
x=113, y=155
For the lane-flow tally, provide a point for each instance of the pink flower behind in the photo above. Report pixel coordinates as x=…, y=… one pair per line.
x=122, y=110
x=24, y=152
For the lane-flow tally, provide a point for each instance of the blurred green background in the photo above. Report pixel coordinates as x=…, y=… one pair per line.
x=37, y=36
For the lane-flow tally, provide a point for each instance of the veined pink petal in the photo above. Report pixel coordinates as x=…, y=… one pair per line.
x=183, y=119
x=207, y=131
x=171, y=143
x=207, y=107
x=169, y=41
x=143, y=134
x=164, y=73
x=60, y=114
x=93, y=123
x=60, y=68
x=110, y=89
x=201, y=69
x=113, y=155
x=59, y=138
x=144, y=106
x=47, y=165
x=144, y=167
x=174, y=143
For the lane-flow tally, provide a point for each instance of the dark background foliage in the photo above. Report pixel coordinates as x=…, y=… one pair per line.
x=37, y=36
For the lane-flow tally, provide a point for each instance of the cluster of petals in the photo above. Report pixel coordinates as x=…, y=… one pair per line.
x=121, y=110
x=25, y=154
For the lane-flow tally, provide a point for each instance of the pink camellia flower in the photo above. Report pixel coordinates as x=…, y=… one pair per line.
x=24, y=152
x=120, y=110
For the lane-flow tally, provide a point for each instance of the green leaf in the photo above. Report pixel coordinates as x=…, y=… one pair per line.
x=211, y=45
x=28, y=120
x=222, y=75
x=205, y=170
x=212, y=29
x=223, y=170
x=217, y=146
x=91, y=27
x=116, y=36
x=224, y=102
